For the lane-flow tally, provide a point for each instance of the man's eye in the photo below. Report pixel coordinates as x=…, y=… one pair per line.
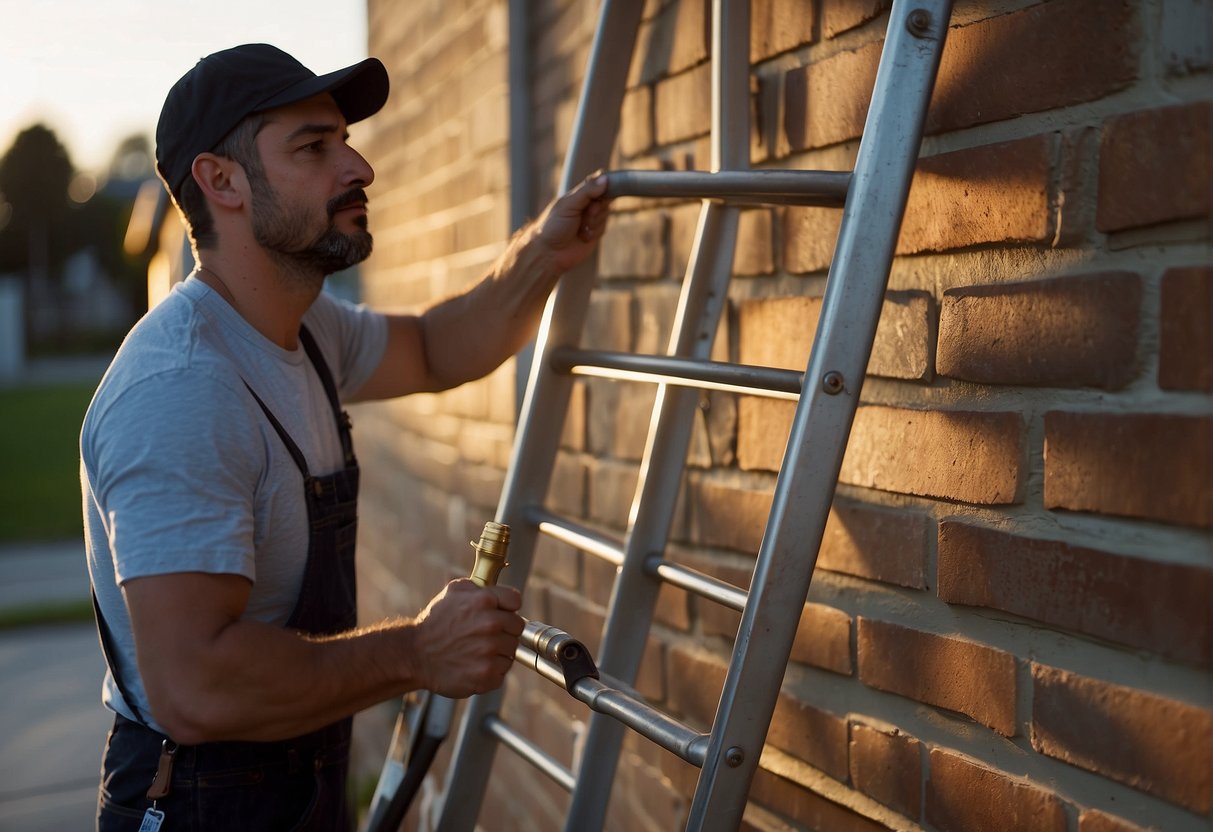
x=314, y=147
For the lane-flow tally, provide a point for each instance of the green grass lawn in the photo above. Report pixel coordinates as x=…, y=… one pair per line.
x=39, y=461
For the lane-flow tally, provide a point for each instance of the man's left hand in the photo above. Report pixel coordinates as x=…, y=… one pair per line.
x=573, y=224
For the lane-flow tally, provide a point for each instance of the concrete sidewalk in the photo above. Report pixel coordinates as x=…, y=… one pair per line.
x=52, y=720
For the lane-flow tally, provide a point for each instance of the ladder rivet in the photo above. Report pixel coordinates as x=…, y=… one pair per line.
x=734, y=757
x=919, y=22
x=832, y=382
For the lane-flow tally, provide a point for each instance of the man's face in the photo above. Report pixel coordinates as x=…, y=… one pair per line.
x=308, y=202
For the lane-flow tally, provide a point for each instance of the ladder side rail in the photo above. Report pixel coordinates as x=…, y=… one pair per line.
x=805, y=485
x=634, y=596
x=703, y=297
x=540, y=427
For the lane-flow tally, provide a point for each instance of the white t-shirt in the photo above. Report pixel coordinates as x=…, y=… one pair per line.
x=181, y=471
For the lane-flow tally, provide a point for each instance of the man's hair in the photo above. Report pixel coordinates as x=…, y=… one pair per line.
x=239, y=145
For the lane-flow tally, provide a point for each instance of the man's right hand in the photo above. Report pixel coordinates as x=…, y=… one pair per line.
x=465, y=638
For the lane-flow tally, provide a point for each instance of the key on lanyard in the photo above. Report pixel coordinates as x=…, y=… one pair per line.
x=161, y=784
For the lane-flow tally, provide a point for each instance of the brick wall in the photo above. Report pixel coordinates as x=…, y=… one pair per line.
x=1010, y=626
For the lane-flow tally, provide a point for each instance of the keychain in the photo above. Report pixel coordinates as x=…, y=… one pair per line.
x=161, y=783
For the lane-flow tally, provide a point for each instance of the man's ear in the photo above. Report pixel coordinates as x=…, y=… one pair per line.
x=220, y=179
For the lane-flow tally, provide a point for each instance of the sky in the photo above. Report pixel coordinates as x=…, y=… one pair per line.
x=97, y=71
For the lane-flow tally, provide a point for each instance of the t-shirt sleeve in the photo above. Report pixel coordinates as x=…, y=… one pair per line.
x=352, y=337
x=174, y=481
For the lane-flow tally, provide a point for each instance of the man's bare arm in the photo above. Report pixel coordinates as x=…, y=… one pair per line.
x=467, y=336
x=211, y=676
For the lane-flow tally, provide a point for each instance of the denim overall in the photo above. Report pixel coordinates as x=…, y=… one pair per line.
x=296, y=784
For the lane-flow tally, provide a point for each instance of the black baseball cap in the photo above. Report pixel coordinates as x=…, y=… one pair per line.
x=223, y=88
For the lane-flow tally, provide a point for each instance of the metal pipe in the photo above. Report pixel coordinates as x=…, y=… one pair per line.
x=611, y=698
x=530, y=752
x=749, y=379
x=790, y=187
x=587, y=540
x=705, y=586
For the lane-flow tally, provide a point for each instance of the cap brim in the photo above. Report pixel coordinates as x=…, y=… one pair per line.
x=360, y=90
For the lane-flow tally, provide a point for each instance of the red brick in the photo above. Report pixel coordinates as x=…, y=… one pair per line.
x=873, y=542
x=970, y=456
x=597, y=580
x=1154, y=167
x=558, y=562
x=633, y=246
x=837, y=16
x=984, y=77
x=1156, y=745
x=996, y=193
x=715, y=619
x=882, y=544
x=1145, y=604
x=805, y=808
x=636, y=122
x=962, y=676
x=568, y=486
x=1185, y=349
x=754, y=255
x=647, y=801
x=815, y=736
x=612, y=485
x=809, y=236
x=684, y=106
x=618, y=419
x=728, y=516
x=1148, y=465
x=609, y=324
x=673, y=608
x=779, y=332
x=1093, y=820
x=690, y=32
x=887, y=765
x=695, y=682
x=779, y=25
x=823, y=639
x=963, y=796
x=1063, y=332
x=826, y=102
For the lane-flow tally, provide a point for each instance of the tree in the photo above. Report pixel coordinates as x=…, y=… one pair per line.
x=34, y=177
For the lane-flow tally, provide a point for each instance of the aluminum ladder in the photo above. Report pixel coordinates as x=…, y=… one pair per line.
x=872, y=198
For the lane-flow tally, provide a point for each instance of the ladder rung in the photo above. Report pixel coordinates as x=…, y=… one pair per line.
x=705, y=586
x=580, y=537
x=530, y=752
x=782, y=187
x=769, y=382
x=611, y=697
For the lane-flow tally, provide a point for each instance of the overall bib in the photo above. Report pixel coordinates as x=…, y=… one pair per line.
x=295, y=784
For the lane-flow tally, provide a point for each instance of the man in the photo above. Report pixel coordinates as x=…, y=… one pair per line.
x=219, y=477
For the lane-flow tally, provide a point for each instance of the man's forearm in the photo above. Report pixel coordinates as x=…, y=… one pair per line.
x=257, y=681
x=470, y=335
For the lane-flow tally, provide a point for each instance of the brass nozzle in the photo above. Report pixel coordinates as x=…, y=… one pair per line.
x=490, y=553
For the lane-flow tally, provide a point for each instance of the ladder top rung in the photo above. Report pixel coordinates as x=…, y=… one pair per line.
x=770, y=382
x=784, y=187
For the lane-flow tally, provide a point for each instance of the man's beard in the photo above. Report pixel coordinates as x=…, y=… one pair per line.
x=289, y=232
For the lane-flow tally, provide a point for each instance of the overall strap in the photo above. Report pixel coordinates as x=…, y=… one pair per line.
x=108, y=651
x=330, y=389
x=291, y=447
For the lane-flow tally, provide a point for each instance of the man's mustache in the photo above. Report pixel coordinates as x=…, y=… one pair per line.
x=354, y=196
